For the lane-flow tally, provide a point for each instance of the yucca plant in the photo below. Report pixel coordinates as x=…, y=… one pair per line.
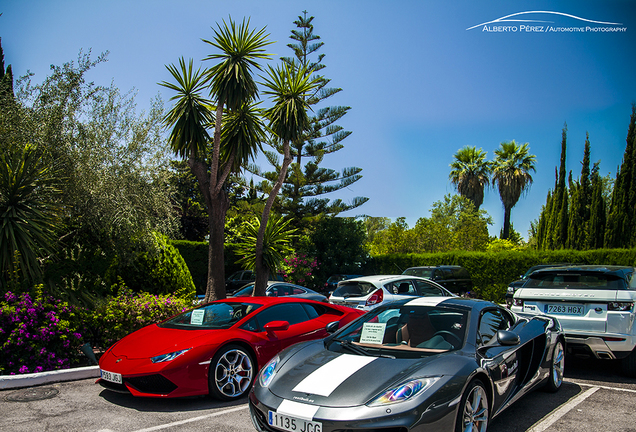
x=29, y=213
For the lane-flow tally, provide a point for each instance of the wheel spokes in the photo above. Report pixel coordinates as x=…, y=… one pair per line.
x=233, y=373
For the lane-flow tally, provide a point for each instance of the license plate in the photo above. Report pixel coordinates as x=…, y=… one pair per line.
x=292, y=424
x=565, y=309
x=111, y=376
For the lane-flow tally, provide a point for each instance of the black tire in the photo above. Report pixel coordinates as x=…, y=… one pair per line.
x=473, y=414
x=232, y=372
x=557, y=367
x=628, y=364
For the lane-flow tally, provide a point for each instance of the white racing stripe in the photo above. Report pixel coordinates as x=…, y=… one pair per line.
x=324, y=380
x=297, y=409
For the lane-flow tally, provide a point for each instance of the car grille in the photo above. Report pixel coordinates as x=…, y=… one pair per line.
x=156, y=384
x=119, y=388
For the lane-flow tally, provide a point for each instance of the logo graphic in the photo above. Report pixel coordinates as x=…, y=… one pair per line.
x=547, y=22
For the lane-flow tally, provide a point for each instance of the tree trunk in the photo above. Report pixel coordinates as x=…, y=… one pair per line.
x=506, y=227
x=216, y=254
x=261, y=270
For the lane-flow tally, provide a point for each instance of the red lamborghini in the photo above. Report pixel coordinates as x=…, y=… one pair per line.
x=216, y=348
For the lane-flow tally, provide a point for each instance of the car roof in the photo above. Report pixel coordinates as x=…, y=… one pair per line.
x=382, y=278
x=608, y=269
x=472, y=303
x=263, y=300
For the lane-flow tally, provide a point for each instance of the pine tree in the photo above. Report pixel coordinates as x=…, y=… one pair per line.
x=307, y=182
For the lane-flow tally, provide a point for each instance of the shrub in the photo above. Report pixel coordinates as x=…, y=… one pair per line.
x=39, y=333
x=158, y=271
x=301, y=270
x=121, y=315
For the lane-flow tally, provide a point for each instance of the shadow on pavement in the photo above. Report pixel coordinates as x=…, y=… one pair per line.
x=194, y=403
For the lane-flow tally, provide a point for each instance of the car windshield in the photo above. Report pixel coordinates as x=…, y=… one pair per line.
x=354, y=289
x=403, y=331
x=245, y=291
x=421, y=272
x=575, y=280
x=219, y=315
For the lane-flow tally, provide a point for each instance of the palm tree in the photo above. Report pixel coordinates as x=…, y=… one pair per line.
x=232, y=87
x=511, y=172
x=470, y=174
x=288, y=87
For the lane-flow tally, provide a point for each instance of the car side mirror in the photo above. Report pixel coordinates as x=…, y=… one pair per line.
x=275, y=326
x=332, y=327
x=507, y=338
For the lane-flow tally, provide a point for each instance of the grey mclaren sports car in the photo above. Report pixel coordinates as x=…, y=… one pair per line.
x=427, y=364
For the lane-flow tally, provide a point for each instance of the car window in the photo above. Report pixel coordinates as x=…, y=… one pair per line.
x=403, y=287
x=297, y=290
x=574, y=280
x=490, y=323
x=428, y=289
x=421, y=272
x=313, y=311
x=293, y=313
x=217, y=315
x=448, y=274
x=354, y=289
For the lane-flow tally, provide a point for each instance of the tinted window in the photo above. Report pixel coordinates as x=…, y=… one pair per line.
x=575, y=280
x=403, y=287
x=293, y=313
x=421, y=272
x=427, y=289
x=490, y=323
x=218, y=315
x=354, y=289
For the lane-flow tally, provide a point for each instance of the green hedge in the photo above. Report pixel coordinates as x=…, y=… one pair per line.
x=492, y=272
x=195, y=254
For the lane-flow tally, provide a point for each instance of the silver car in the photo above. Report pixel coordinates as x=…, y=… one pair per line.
x=283, y=289
x=594, y=304
x=369, y=292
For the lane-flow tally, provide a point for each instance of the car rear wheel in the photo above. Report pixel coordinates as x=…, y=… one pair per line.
x=232, y=371
x=557, y=367
x=628, y=364
x=473, y=410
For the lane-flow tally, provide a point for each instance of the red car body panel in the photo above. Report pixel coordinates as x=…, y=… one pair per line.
x=188, y=372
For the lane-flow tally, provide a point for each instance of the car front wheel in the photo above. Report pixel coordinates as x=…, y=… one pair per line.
x=232, y=371
x=557, y=367
x=473, y=410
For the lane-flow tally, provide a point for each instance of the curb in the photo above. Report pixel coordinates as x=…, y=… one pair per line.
x=29, y=380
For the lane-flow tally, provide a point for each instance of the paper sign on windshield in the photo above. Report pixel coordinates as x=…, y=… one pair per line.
x=372, y=333
x=197, y=317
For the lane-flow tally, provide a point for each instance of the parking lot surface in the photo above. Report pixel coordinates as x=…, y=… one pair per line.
x=594, y=396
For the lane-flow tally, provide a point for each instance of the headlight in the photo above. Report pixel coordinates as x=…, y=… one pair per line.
x=404, y=391
x=168, y=357
x=268, y=372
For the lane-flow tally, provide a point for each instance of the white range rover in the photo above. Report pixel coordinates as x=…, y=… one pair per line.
x=594, y=304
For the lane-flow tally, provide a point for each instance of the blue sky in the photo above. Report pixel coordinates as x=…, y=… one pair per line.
x=420, y=83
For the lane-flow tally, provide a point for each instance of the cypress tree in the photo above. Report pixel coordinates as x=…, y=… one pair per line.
x=559, y=217
x=596, y=224
x=620, y=224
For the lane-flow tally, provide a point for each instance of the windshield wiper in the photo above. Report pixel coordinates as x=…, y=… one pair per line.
x=359, y=350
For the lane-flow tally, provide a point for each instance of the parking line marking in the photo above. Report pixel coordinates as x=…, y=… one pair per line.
x=193, y=419
x=563, y=410
x=603, y=387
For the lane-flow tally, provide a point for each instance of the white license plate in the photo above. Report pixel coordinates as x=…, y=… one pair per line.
x=292, y=424
x=111, y=376
x=565, y=309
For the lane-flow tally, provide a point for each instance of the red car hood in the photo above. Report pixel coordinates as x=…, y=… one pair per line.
x=153, y=340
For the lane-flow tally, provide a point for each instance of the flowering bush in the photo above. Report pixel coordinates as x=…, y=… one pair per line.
x=129, y=311
x=38, y=333
x=300, y=269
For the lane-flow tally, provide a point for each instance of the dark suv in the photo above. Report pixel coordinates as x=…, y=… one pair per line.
x=456, y=279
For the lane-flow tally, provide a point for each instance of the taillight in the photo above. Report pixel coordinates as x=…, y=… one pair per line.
x=620, y=306
x=375, y=298
x=518, y=302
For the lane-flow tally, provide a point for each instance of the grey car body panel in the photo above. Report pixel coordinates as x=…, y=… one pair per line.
x=509, y=372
